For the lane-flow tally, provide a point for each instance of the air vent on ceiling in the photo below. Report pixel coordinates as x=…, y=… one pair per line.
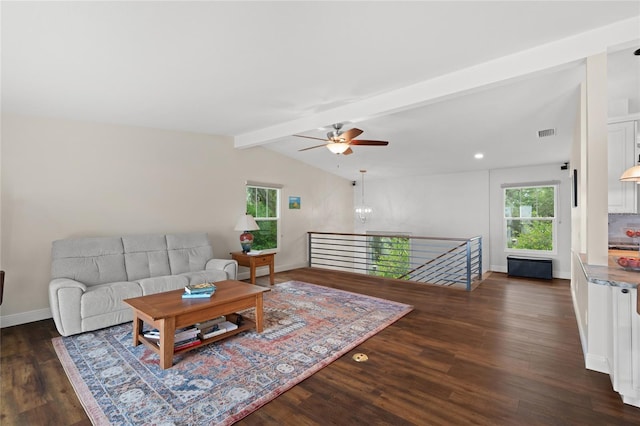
x=546, y=132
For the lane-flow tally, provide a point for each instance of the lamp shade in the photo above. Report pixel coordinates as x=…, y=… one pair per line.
x=246, y=222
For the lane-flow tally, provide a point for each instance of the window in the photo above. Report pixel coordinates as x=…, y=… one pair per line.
x=263, y=203
x=530, y=218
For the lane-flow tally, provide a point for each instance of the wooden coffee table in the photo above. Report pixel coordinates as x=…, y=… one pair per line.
x=168, y=311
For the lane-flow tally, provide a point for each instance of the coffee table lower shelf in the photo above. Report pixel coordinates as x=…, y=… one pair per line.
x=247, y=324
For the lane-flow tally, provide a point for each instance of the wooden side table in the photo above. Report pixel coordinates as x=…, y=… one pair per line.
x=253, y=261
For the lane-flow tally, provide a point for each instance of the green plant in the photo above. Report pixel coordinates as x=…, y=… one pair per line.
x=389, y=256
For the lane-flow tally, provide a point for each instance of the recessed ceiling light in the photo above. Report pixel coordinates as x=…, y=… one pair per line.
x=479, y=155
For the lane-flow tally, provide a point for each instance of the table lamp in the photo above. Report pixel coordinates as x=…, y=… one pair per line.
x=246, y=223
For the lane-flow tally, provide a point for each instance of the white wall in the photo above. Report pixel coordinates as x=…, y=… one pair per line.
x=450, y=205
x=65, y=179
x=462, y=206
x=623, y=83
x=550, y=172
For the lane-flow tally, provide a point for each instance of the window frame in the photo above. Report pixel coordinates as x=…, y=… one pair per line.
x=277, y=218
x=554, y=220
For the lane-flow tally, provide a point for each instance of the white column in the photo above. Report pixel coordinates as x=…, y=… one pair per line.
x=597, y=161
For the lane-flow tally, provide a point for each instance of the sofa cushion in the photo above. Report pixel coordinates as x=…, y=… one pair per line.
x=108, y=319
x=105, y=298
x=210, y=275
x=160, y=284
x=146, y=256
x=91, y=261
x=188, y=252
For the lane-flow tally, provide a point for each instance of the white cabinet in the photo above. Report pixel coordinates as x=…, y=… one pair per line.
x=609, y=326
x=622, y=155
x=625, y=374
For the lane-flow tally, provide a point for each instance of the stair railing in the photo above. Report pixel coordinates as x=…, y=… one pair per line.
x=433, y=260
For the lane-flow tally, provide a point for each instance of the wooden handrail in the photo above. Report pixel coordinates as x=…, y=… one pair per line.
x=392, y=236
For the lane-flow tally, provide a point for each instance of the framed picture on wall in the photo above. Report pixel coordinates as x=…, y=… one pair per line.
x=294, y=203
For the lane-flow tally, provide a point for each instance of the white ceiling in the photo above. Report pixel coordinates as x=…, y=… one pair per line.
x=440, y=81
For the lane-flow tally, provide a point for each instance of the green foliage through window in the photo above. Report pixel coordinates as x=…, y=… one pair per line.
x=529, y=214
x=263, y=204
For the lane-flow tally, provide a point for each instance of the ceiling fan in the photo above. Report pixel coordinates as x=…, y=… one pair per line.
x=339, y=142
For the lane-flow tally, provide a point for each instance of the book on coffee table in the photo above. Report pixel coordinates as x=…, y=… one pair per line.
x=209, y=323
x=200, y=288
x=218, y=329
x=186, y=295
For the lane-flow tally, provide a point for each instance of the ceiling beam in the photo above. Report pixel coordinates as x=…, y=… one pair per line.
x=560, y=53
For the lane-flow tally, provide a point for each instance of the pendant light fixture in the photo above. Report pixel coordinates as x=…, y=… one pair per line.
x=363, y=212
x=632, y=174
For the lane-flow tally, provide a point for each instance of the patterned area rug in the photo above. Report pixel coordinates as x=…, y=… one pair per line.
x=306, y=328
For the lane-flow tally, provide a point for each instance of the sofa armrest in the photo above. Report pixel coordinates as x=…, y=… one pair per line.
x=227, y=265
x=64, y=300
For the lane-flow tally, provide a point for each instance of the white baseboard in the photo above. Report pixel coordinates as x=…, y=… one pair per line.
x=498, y=268
x=597, y=363
x=631, y=400
x=24, y=317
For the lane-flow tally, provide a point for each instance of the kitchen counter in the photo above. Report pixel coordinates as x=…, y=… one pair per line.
x=612, y=275
x=605, y=304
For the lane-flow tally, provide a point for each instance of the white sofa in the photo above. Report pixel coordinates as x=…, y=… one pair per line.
x=91, y=276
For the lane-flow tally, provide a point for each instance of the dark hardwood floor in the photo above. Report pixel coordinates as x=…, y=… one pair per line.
x=507, y=353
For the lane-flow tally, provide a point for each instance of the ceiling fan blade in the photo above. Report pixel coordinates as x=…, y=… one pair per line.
x=370, y=143
x=310, y=137
x=348, y=152
x=312, y=147
x=350, y=134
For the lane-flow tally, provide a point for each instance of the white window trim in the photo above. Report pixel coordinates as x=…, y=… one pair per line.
x=554, y=220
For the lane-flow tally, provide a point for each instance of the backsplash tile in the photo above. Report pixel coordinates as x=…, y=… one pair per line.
x=619, y=223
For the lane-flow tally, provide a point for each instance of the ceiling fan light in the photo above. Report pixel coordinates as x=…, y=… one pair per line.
x=338, y=147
